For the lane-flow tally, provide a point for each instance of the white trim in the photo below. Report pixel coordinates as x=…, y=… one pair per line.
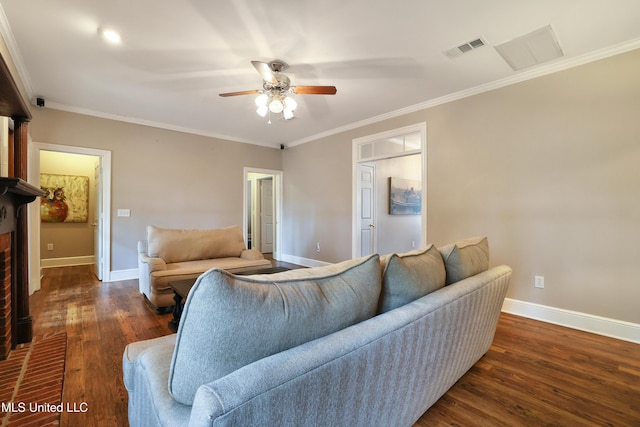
x=14, y=52
x=305, y=262
x=34, y=171
x=151, y=123
x=560, y=65
x=508, y=81
x=355, y=143
x=613, y=328
x=119, y=275
x=67, y=261
x=277, y=187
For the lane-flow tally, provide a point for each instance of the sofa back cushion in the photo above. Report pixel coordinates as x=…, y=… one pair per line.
x=465, y=258
x=230, y=321
x=407, y=277
x=178, y=245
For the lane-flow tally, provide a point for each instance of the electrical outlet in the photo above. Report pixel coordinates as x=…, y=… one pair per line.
x=49, y=246
x=539, y=282
x=318, y=247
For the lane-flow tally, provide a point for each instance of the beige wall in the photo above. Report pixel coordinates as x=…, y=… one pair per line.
x=166, y=178
x=547, y=169
x=69, y=239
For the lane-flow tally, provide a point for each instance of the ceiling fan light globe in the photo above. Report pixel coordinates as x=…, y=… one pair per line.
x=276, y=106
x=262, y=110
x=288, y=114
x=290, y=103
x=262, y=100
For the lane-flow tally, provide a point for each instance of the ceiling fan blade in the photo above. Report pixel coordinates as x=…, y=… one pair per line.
x=243, y=92
x=314, y=90
x=265, y=71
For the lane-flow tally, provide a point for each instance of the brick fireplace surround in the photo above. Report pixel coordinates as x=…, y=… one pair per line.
x=5, y=295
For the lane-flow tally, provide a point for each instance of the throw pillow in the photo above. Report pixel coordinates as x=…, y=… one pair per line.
x=465, y=258
x=230, y=321
x=409, y=276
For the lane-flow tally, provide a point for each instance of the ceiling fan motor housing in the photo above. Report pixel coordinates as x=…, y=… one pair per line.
x=282, y=85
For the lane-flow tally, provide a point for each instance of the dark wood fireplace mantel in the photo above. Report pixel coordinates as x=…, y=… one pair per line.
x=14, y=193
x=14, y=244
x=15, y=320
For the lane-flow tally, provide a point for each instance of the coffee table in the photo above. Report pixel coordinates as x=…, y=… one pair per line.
x=181, y=289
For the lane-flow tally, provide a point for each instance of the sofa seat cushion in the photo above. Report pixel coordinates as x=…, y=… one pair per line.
x=465, y=258
x=231, y=321
x=192, y=269
x=409, y=276
x=177, y=245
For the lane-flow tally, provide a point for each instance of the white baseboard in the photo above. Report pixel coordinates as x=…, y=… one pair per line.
x=305, y=262
x=67, y=261
x=118, y=275
x=619, y=329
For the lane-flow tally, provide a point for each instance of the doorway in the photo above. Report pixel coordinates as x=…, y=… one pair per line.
x=262, y=210
x=366, y=208
x=100, y=221
x=378, y=162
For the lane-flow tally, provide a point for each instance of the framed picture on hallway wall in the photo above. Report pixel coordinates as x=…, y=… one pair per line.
x=405, y=196
x=66, y=198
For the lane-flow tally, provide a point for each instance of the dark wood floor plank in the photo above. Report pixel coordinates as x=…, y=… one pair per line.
x=541, y=374
x=534, y=374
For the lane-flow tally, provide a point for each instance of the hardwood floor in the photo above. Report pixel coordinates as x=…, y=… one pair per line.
x=541, y=374
x=534, y=374
x=100, y=320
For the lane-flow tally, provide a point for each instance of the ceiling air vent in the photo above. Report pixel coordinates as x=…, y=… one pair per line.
x=531, y=49
x=465, y=47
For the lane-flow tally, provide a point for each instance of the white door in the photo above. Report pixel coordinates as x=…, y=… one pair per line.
x=266, y=215
x=366, y=208
x=97, y=221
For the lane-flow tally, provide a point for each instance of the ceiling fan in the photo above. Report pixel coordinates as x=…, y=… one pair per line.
x=276, y=87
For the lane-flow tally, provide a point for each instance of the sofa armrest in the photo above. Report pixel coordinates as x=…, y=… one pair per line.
x=251, y=254
x=133, y=351
x=153, y=263
x=147, y=265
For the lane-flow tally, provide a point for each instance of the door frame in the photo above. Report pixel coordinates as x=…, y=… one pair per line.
x=34, y=208
x=277, y=205
x=355, y=182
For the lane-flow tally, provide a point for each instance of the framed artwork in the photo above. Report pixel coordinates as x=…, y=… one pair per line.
x=66, y=198
x=405, y=196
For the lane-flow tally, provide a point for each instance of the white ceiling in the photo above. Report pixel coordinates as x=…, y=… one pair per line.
x=384, y=57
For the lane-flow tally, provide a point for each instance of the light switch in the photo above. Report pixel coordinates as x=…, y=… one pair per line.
x=124, y=212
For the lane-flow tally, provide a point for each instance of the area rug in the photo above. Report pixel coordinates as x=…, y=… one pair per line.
x=31, y=381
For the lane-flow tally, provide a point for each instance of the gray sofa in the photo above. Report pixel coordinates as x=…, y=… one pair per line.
x=368, y=342
x=169, y=254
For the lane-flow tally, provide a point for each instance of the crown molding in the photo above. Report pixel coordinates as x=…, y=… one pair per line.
x=519, y=77
x=149, y=123
x=556, y=66
x=12, y=47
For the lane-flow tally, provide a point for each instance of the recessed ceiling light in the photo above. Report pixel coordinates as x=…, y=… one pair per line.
x=110, y=35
